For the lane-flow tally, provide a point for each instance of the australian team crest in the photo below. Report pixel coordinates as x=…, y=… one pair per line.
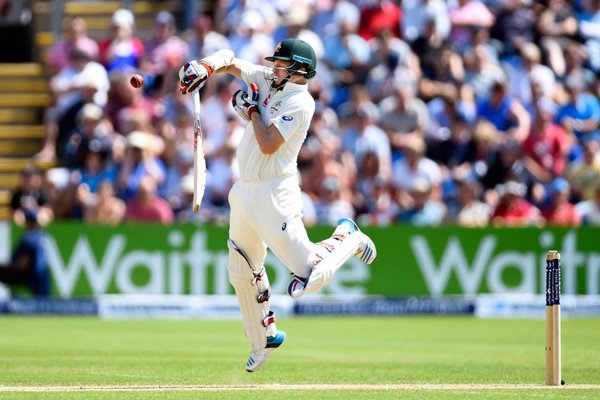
x=275, y=107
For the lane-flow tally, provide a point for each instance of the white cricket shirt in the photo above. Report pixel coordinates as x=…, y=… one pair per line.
x=291, y=111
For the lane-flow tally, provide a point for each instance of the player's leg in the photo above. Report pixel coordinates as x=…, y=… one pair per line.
x=249, y=279
x=282, y=229
x=331, y=254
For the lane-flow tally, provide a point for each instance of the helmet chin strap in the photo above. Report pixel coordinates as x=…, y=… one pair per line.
x=290, y=72
x=280, y=85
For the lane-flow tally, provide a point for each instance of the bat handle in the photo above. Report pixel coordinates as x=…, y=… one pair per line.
x=196, y=98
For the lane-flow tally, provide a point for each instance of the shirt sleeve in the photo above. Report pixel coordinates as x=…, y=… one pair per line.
x=291, y=121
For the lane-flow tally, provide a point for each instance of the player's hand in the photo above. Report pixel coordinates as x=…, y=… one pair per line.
x=193, y=76
x=246, y=103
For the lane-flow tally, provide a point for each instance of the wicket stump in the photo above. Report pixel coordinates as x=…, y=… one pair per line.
x=553, y=367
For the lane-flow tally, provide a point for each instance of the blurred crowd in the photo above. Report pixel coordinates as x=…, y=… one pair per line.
x=428, y=112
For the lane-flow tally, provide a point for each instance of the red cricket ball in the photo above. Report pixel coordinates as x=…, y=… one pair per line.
x=137, y=81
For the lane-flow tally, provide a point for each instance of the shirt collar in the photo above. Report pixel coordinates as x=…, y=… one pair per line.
x=290, y=87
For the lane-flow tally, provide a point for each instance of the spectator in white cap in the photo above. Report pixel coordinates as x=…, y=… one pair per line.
x=121, y=49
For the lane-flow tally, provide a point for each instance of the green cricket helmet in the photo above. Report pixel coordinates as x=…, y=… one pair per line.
x=298, y=51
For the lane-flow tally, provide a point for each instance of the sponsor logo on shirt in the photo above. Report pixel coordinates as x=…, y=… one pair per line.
x=287, y=118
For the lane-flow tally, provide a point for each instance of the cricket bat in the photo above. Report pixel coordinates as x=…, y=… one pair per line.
x=199, y=161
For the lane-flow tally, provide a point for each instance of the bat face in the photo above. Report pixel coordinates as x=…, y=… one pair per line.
x=199, y=161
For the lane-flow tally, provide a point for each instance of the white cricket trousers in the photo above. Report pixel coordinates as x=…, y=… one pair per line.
x=269, y=214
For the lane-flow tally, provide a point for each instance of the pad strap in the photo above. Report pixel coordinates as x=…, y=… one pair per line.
x=269, y=319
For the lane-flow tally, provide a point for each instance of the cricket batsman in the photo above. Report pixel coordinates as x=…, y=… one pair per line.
x=265, y=202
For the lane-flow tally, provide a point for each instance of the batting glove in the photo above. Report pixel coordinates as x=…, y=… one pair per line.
x=193, y=76
x=246, y=103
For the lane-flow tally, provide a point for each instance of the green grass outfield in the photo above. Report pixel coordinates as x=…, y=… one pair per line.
x=322, y=358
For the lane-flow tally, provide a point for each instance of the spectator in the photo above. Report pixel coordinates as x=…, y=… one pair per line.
x=295, y=22
x=590, y=209
x=576, y=65
x=506, y=113
x=584, y=175
x=388, y=54
x=527, y=72
x=28, y=265
x=507, y=165
x=165, y=51
x=513, y=26
x=29, y=196
x=91, y=125
x=465, y=18
x=147, y=206
x=416, y=15
x=483, y=150
x=588, y=20
x=443, y=69
x=424, y=211
x=251, y=40
x=546, y=147
x=84, y=81
x=559, y=212
x=74, y=36
x=403, y=115
x=365, y=136
x=347, y=53
x=54, y=187
x=128, y=106
x=580, y=115
x=380, y=14
x=513, y=209
x=102, y=207
x=332, y=206
x=94, y=170
x=205, y=40
x=415, y=165
x=471, y=212
x=482, y=72
x=381, y=208
x=140, y=161
x=121, y=50
x=557, y=26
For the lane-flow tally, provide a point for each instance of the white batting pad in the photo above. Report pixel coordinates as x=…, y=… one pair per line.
x=253, y=312
x=323, y=271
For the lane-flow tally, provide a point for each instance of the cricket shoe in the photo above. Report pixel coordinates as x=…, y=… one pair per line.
x=367, y=251
x=259, y=357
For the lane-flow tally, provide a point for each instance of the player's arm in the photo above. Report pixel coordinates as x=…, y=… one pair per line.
x=269, y=138
x=236, y=67
x=193, y=75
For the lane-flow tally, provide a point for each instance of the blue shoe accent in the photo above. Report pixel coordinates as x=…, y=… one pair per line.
x=350, y=223
x=275, y=341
